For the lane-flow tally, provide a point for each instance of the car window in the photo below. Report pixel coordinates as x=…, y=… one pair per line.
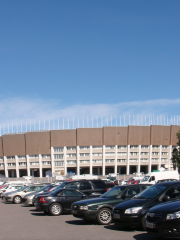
x=72, y=185
x=144, y=187
x=68, y=193
x=99, y=184
x=39, y=187
x=174, y=192
x=31, y=189
x=85, y=185
x=132, y=191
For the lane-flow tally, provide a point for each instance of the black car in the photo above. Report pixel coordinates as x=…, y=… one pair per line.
x=58, y=201
x=133, y=212
x=100, y=208
x=166, y=180
x=163, y=220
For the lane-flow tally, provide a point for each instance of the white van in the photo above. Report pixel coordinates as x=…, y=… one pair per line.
x=153, y=177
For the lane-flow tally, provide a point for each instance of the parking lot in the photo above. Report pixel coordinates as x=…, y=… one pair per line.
x=23, y=222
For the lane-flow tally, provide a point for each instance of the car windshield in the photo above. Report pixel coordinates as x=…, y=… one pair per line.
x=151, y=192
x=113, y=193
x=62, y=185
x=22, y=188
x=145, y=179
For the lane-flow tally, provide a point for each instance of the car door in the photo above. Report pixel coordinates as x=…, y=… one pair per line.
x=67, y=197
x=85, y=187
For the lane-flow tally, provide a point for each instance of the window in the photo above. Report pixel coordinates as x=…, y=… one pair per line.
x=11, y=157
x=144, y=159
x=58, y=156
x=21, y=157
x=134, y=146
x=72, y=185
x=110, y=147
x=11, y=164
x=97, y=161
x=33, y=156
x=85, y=185
x=84, y=161
x=1, y=158
x=164, y=153
x=121, y=160
x=164, y=159
x=84, y=154
x=46, y=163
x=1, y=164
x=144, y=153
x=122, y=153
x=84, y=148
x=133, y=153
x=155, y=153
x=155, y=159
x=71, y=148
x=122, y=147
x=144, y=146
x=155, y=146
x=58, y=149
x=174, y=192
x=110, y=153
x=164, y=147
x=71, y=162
x=109, y=160
x=133, y=160
x=31, y=189
x=132, y=191
x=71, y=155
x=22, y=163
x=46, y=156
x=70, y=193
x=97, y=154
x=58, y=163
x=96, y=147
x=34, y=163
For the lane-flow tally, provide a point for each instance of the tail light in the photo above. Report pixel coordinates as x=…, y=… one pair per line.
x=42, y=200
x=107, y=189
x=4, y=190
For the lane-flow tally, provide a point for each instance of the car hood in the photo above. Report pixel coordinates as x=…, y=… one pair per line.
x=132, y=203
x=95, y=201
x=166, y=207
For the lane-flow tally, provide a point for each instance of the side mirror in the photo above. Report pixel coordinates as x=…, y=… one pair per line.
x=166, y=198
x=25, y=190
x=83, y=196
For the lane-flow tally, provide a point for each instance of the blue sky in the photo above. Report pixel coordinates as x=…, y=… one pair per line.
x=89, y=59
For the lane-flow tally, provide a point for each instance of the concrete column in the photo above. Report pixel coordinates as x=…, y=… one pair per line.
x=52, y=160
x=28, y=166
x=150, y=158
x=40, y=166
x=65, y=162
x=5, y=167
x=128, y=154
x=98, y=170
x=160, y=154
x=91, y=171
x=115, y=170
x=169, y=157
x=103, y=161
x=17, y=170
x=77, y=160
x=139, y=160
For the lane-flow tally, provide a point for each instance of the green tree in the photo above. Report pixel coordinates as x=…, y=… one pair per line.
x=176, y=154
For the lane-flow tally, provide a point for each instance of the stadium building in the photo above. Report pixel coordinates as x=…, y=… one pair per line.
x=99, y=151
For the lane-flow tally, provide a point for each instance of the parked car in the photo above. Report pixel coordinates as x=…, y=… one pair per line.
x=28, y=198
x=100, y=208
x=58, y=201
x=133, y=212
x=10, y=188
x=163, y=220
x=3, y=196
x=16, y=197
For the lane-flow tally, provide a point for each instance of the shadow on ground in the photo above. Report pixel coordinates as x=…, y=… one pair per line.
x=81, y=222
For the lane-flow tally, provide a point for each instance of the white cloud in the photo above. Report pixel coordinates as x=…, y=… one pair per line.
x=19, y=111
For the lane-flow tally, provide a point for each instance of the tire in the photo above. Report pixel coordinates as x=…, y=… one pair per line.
x=104, y=216
x=55, y=209
x=143, y=219
x=17, y=199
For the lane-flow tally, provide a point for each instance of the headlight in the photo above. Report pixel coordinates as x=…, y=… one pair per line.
x=133, y=210
x=83, y=207
x=173, y=215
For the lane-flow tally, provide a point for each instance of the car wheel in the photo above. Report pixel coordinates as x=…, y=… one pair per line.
x=104, y=216
x=55, y=209
x=17, y=199
x=143, y=220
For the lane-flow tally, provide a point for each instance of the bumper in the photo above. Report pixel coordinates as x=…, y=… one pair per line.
x=41, y=207
x=89, y=215
x=27, y=201
x=166, y=229
x=9, y=199
x=125, y=219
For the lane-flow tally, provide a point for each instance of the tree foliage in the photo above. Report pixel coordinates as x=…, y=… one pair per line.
x=176, y=154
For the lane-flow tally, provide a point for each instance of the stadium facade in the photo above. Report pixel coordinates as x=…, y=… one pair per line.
x=99, y=151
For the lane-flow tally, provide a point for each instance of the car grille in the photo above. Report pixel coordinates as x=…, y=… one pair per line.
x=153, y=217
x=118, y=210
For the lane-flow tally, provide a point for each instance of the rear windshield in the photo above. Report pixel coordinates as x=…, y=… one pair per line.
x=99, y=184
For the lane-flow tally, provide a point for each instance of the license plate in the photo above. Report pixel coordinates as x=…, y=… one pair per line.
x=150, y=225
x=116, y=216
x=74, y=211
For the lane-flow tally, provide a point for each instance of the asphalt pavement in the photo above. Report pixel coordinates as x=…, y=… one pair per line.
x=20, y=222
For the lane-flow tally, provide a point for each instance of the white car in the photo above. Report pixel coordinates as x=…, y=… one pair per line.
x=9, y=188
